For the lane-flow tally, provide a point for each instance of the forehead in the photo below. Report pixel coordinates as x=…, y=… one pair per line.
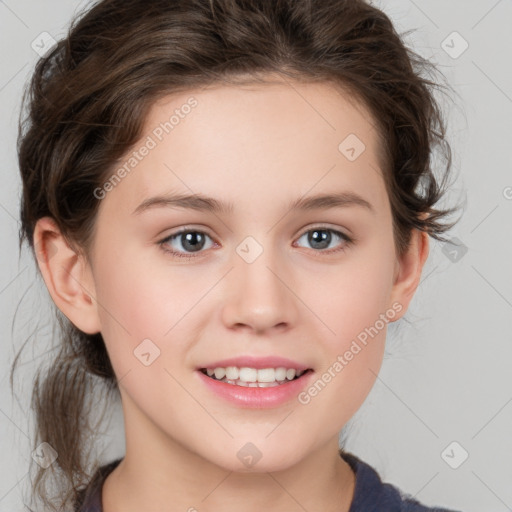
x=279, y=107
x=256, y=138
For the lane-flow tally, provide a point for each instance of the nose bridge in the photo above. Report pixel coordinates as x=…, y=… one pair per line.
x=259, y=296
x=257, y=266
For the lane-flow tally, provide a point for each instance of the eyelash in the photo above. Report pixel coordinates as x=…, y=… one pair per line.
x=348, y=242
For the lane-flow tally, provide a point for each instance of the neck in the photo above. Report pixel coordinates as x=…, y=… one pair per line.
x=161, y=473
x=187, y=482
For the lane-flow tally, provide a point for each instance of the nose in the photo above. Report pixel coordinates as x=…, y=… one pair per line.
x=260, y=295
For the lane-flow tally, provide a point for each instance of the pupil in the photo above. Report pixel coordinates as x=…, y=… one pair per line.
x=323, y=239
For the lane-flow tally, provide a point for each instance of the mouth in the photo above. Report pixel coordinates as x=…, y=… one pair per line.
x=253, y=377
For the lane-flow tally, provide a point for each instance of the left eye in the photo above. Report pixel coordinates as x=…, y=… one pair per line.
x=194, y=241
x=322, y=237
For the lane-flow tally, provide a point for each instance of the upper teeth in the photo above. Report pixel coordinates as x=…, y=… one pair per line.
x=253, y=374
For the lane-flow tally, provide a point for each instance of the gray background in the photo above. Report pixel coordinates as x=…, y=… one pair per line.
x=446, y=376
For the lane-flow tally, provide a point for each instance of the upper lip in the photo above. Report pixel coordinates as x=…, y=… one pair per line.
x=257, y=362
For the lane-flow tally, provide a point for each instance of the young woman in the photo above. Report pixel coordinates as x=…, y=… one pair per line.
x=229, y=201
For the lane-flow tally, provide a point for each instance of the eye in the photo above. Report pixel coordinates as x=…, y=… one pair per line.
x=189, y=239
x=321, y=237
x=193, y=241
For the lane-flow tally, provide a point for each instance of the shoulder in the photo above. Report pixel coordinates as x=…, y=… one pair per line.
x=89, y=499
x=372, y=495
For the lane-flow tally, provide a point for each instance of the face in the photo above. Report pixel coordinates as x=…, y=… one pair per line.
x=258, y=277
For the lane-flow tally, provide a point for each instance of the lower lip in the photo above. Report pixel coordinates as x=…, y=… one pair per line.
x=257, y=398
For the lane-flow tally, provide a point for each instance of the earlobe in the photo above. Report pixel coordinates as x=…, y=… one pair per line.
x=408, y=269
x=67, y=276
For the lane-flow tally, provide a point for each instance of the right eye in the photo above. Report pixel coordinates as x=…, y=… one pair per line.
x=189, y=240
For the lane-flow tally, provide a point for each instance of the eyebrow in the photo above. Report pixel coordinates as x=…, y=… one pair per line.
x=202, y=203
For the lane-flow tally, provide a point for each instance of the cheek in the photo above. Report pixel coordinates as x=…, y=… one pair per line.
x=133, y=294
x=353, y=304
x=139, y=301
x=352, y=296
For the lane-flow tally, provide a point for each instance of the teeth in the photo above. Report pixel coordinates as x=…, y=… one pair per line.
x=252, y=377
x=251, y=384
x=290, y=374
x=220, y=373
x=280, y=373
x=248, y=374
x=232, y=373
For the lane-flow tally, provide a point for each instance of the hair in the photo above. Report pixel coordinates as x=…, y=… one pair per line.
x=86, y=104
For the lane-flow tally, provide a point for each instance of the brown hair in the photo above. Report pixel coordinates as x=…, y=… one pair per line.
x=87, y=102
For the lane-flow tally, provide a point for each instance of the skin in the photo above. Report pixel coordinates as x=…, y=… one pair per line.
x=259, y=146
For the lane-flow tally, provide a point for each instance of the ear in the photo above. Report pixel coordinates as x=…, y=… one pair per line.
x=67, y=275
x=408, y=268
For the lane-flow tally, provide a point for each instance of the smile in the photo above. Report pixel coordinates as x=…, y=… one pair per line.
x=249, y=392
x=253, y=377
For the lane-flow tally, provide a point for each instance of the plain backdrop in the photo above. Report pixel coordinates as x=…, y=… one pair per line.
x=438, y=422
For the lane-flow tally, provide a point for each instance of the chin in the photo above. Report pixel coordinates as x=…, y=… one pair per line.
x=255, y=458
